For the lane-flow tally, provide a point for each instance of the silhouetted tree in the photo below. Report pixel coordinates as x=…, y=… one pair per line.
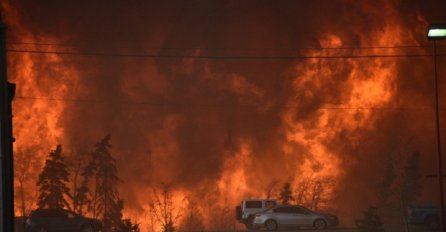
x=82, y=196
x=302, y=192
x=193, y=220
x=315, y=192
x=385, y=190
x=78, y=166
x=371, y=222
x=286, y=194
x=224, y=219
x=269, y=189
x=163, y=209
x=106, y=203
x=24, y=170
x=128, y=226
x=321, y=193
x=53, y=182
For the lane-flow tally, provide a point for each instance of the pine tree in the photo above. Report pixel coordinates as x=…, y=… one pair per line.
x=81, y=192
x=52, y=182
x=107, y=204
x=286, y=195
x=80, y=198
x=371, y=222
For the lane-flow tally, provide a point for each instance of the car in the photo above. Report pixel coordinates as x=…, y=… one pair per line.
x=289, y=216
x=56, y=219
x=247, y=209
x=425, y=215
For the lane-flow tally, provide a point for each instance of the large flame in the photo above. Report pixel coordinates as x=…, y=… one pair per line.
x=217, y=131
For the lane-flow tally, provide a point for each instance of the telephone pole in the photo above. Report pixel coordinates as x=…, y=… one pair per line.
x=7, y=91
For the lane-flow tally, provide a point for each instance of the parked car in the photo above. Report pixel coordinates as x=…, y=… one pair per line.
x=247, y=209
x=53, y=220
x=289, y=216
x=426, y=215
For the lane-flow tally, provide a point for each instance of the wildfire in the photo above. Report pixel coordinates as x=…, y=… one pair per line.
x=215, y=131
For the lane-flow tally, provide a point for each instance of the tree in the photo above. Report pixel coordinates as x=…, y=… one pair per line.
x=315, y=192
x=302, y=191
x=24, y=170
x=371, y=222
x=128, y=226
x=321, y=192
x=106, y=203
x=77, y=164
x=163, y=209
x=52, y=182
x=193, y=220
x=386, y=195
x=385, y=191
x=269, y=189
x=286, y=195
x=410, y=187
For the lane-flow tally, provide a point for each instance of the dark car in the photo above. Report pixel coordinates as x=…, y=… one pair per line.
x=426, y=215
x=53, y=220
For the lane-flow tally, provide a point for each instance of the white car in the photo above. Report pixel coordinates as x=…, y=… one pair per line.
x=287, y=216
x=248, y=208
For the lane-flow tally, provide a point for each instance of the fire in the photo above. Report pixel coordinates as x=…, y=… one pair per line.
x=234, y=181
x=216, y=131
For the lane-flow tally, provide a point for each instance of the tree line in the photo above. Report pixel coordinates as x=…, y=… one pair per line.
x=312, y=192
x=399, y=188
x=97, y=193
x=94, y=192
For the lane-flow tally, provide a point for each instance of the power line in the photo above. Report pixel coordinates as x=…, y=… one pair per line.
x=241, y=57
x=206, y=105
x=232, y=49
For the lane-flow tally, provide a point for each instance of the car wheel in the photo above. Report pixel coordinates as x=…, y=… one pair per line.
x=87, y=228
x=40, y=229
x=432, y=223
x=249, y=223
x=271, y=225
x=319, y=224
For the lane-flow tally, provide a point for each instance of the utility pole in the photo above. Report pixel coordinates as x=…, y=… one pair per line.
x=7, y=91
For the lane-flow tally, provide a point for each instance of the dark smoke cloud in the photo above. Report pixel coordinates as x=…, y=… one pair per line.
x=205, y=107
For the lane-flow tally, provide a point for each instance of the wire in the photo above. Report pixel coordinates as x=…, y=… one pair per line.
x=231, y=49
x=208, y=106
x=161, y=56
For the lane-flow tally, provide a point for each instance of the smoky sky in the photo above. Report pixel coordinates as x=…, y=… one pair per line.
x=198, y=110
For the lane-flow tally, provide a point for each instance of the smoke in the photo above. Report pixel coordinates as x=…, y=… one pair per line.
x=219, y=130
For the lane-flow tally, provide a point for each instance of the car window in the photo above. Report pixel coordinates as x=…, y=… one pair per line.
x=298, y=210
x=283, y=210
x=253, y=204
x=270, y=204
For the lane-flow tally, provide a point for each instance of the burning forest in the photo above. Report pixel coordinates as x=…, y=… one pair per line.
x=189, y=107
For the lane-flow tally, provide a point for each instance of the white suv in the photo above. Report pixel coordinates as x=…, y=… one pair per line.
x=245, y=212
